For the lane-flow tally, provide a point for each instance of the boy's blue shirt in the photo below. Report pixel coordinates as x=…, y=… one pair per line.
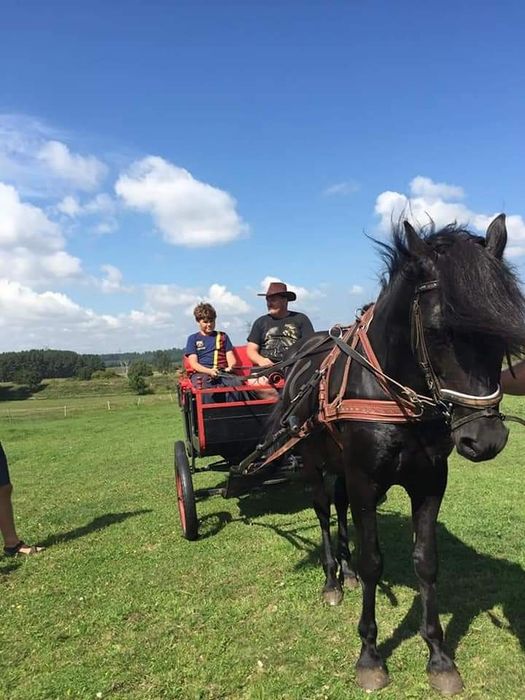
x=205, y=347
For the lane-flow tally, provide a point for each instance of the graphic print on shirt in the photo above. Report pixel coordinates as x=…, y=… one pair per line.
x=277, y=339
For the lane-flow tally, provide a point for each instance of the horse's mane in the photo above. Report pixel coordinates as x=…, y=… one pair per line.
x=480, y=293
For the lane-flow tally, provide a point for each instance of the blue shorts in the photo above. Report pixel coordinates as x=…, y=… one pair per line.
x=4, y=471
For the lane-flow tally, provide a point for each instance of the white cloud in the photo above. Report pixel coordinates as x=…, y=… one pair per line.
x=51, y=319
x=20, y=303
x=429, y=201
x=224, y=301
x=35, y=158
x=100, y=210
x=102, y=203
x=84, y=172
x=356, y=289
x=31, y=245
x=112, y=281
x=22, y=224
x=342, y=189
x=61, y=265
x=425, y=187
x=69, y=206
x=187, y=212
x=170, y=296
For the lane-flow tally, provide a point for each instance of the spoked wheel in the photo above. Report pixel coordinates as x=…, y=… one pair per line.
x=185, y=493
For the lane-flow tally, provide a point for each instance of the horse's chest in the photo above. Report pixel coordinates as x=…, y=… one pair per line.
x=398, y=450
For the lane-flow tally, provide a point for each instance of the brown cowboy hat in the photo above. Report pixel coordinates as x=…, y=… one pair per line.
x=279, y=288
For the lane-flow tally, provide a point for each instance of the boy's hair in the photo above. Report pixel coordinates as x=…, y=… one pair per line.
x=204, y=312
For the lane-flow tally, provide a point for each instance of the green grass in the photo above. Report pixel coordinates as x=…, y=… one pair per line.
x=121, y=606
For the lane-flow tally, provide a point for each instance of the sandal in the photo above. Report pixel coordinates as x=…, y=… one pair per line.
x=18, y=548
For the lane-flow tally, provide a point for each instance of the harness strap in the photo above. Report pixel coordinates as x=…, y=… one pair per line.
x=486, y=413
x=516, y=419
x=278, y=366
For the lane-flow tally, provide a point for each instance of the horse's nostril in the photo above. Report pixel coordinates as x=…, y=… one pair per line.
x=468, y=443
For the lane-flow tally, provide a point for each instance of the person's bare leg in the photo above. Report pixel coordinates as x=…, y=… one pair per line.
x=7, y=518
x=7, y=524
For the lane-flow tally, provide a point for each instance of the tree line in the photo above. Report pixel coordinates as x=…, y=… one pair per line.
x=160, y=359
x=31, y=366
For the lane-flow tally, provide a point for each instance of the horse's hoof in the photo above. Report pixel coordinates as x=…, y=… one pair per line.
x=351, y=582
x=446, y=682
x=333, y=597
x=372, y=678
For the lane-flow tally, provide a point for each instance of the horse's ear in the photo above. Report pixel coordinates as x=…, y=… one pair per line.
x=496, y=238
x=416, y=245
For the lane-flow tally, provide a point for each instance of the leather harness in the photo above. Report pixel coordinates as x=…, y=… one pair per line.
x=402, y=405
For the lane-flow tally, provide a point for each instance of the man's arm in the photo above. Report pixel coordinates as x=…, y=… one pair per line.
x=252, y=350
x=230, y=359
x=307, y=329
x=509, y=385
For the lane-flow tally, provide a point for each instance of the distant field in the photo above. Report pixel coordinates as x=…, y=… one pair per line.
x=120, y=606
x=67, y=396
x=74, y=388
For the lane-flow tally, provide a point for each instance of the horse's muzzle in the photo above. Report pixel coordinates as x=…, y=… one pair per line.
x=481, y=439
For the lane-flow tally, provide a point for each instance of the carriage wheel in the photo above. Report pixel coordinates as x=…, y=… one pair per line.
x=185, y=493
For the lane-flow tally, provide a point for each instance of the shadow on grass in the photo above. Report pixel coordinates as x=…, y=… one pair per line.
x=99, y=523
x=470, y=582
x=282, y=498
x=213, y=523
x=8, y=565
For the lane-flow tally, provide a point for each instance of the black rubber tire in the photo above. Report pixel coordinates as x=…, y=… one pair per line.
x=185, y=493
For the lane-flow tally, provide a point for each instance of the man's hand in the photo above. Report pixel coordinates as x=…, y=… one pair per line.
x=214, y=373
x=266, y=362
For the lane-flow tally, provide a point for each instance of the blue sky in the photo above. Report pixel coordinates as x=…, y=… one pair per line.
x=154, y=154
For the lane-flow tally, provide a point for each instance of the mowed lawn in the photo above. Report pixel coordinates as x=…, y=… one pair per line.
x=121, y=606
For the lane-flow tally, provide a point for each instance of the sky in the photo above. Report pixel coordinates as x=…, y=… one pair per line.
x=158, y=153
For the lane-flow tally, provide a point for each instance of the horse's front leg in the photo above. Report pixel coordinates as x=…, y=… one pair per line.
x=371, y=670
x=332, y=591
x=442, y=673
x=347, y=575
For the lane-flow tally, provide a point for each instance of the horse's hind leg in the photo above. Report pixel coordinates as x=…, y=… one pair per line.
x=332, y=591
x=347, y=575
x=371, y=669
x=442, y=673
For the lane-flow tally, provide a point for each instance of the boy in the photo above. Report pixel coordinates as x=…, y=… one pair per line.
x=210, y=352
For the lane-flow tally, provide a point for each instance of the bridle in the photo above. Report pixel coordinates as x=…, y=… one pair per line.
x=446, y=399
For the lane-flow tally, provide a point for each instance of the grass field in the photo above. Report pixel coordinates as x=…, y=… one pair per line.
x=120, y=606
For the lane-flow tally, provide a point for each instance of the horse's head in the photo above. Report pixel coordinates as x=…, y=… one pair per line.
x=467, y=311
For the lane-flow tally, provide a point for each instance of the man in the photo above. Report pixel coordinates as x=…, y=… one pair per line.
x=13, y=545
x=275, y=332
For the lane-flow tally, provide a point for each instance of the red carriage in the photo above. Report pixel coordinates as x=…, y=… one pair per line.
x=225, y=428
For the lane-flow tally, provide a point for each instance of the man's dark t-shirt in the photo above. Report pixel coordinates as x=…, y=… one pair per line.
x=275, y=335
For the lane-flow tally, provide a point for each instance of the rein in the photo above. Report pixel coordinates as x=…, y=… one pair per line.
x=278, y=366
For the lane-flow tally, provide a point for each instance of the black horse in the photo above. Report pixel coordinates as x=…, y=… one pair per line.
x=449, y=310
